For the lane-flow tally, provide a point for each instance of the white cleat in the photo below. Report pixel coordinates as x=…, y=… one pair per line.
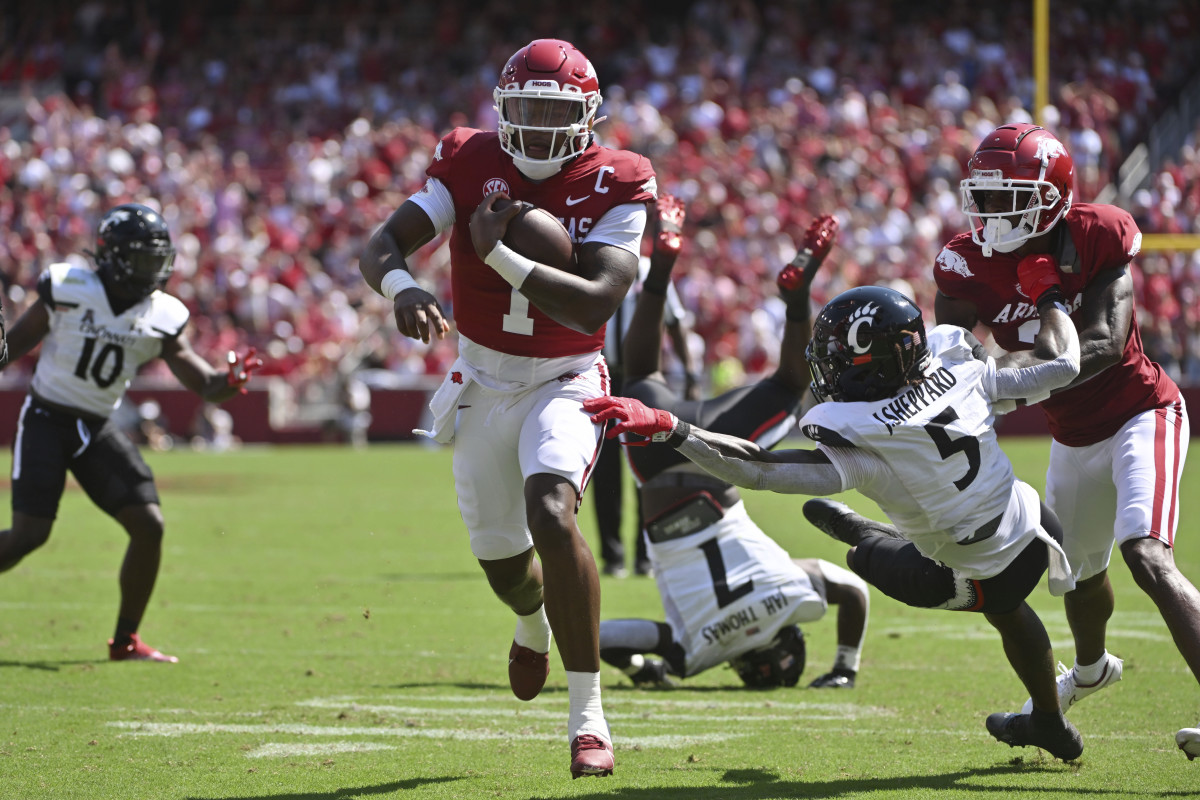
x=1188, y=740
x=1071, y=691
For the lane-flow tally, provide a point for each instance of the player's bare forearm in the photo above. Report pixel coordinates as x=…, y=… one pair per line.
x=793, y=369
x=641, y=349
x=586, y=301
x=28, y=331
x=406, y=230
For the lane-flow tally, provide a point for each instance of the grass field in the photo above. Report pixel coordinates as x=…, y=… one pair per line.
x=337, y=640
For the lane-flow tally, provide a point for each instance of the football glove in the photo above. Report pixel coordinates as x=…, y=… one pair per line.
x=241, y=368
x=818, y=241
x=1037, y=276
x=632, y=416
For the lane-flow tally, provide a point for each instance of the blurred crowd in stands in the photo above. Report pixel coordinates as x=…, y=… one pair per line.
x=275, y=135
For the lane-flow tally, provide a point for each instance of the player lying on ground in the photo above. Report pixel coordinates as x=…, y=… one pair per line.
x=731, y=594
x=910, y=426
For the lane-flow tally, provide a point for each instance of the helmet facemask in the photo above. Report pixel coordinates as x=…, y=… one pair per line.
x=543, y=128
x=1009, y=199
x=137, y=269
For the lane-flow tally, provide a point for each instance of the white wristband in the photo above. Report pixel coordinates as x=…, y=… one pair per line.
x=396, y=282
x=509, y=264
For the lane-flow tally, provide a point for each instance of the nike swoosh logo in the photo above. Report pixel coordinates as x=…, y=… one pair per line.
x=571, y=201
x=460, y=408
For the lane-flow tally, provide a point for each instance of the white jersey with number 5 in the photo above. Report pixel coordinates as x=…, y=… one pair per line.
x=934, y=436
x=90, y=354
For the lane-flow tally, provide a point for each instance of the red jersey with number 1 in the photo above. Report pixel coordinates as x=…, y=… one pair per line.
x=1092, y=238
x=487, y=309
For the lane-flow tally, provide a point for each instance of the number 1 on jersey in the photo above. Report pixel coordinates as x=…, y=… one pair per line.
x=517, y=320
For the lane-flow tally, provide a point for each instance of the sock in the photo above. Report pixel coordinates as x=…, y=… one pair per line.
x=126, y=628
x=533, y=631
x=1091, y=672
x=586, y=715
x=847, y=657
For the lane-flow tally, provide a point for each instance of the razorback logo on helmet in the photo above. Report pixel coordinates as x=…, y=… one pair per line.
x=651, y=186
x=437, y=152
x=951, y=261
x=1048, y=148
x=495, y=185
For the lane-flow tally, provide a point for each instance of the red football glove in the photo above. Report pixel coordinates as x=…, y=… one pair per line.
x=240, y=368
x=1038, y=274
x=634, y=416
x=818, y=241
x=670, y=224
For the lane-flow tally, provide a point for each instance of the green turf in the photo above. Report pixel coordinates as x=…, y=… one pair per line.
x=337, y=640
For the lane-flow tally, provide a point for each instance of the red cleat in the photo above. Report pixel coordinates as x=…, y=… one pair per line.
x=590, y=755
x=137, y=650
x=527, y=671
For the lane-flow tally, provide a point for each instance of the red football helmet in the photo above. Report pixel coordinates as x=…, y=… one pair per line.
x=1019, y=170
x=547, y=98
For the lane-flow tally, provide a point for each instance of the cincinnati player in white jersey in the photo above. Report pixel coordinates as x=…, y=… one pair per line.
x=729, y=592
x=96, y=328
x=529, y=353
x=909, y=424
x=1121, y=428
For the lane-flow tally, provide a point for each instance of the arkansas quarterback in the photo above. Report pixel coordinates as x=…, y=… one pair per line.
x=529, y=338
x=1120, y=429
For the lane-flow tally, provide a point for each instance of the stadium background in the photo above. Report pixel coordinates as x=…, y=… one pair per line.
x=276, y=137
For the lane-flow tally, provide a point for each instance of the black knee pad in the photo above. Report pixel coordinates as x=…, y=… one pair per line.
x=899, y=570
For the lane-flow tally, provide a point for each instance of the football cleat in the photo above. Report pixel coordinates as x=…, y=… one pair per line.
x=838, y=679
x=527, y=671
x=1071, y=691
x=137, y=650
x=590, y=755
x=1020, y=730
x=1188, y=740
x=840, y=522
x=653, y=675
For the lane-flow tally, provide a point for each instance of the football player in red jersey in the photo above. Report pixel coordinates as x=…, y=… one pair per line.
x=1120, y=429
x=529, y=353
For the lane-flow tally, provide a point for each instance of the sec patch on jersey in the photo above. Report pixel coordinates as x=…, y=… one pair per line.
x=538, y=235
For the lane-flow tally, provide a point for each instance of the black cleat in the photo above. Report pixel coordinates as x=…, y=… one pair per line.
x=1055, y=735
x=842, y=523
x=838, y=679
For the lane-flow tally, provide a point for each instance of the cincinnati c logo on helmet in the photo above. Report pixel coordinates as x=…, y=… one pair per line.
x=861, y=316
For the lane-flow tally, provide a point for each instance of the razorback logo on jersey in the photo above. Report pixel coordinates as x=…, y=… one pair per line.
x=495, y=185
x=1135, y=246
x=651, y=186
x=951, y=261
